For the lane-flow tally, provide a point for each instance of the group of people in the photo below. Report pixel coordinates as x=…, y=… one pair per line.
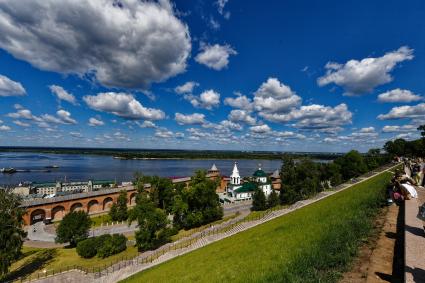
x=406, y=181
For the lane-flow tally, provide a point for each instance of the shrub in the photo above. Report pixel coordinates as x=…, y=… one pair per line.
x=87, y=248
x=103, y=246
x=113, y=245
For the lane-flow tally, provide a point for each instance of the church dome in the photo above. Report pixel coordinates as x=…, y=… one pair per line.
x=260, y=173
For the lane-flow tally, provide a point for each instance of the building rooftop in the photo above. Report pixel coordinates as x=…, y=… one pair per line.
x=246, y=187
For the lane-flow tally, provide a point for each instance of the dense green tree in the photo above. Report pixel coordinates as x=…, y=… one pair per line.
x=161, y=192
x=11, y=232
x=119, y=211
x=152, y=223
x=396, y=147
x=273, y=199
x=352, y=164
x=259, y=201
x=202, y=202
x=288, y=176
x=308, y=178
x=73, y=228
x=331, y=172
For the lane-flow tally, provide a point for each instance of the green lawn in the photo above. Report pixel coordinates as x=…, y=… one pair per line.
x=36, y=260
x=312, y=244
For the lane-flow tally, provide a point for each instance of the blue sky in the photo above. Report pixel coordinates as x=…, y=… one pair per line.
x=243, y=75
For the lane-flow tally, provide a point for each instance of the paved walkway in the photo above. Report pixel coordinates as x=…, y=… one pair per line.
x=115, y=274
x=414, y=238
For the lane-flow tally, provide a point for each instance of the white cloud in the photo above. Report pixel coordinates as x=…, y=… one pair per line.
x=22, y=124
x=260, y=129
x=121, y=43
x=24, y=114
x=192, y=119
x=395, y=129
x=208, y=99
x=241, y=102
x=63, y=117
x=315, y=116
x=186, y=87
x=361, y=77
x=231, y=125
x=367, y=130
x=4, y=128
x=238, y=115
x=123, y=105
x=9, y=87
x=93, y=122
x=62, y=94
x=399, y=95
x=76, y=134
x=146, y=124
x=402, y=112
x=167, y=134
x=220, y=8
x=275, y=97
x=288, y=135
x=215, y=56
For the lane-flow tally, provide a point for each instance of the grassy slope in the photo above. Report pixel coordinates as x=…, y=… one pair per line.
x=36, y=260
x=313, y=244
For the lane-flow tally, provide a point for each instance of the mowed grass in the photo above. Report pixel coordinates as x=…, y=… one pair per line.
x=38, y=260
x=312, y=244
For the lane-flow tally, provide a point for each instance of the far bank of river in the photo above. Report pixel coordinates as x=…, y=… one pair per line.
x=74, y=167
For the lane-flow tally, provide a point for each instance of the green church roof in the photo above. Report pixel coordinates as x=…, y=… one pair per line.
x=260, y=173
x=246, y=187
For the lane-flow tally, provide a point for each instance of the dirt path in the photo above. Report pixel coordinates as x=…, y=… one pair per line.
x=380, y=259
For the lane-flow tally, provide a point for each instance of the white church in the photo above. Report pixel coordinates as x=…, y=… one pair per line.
x=244, y=191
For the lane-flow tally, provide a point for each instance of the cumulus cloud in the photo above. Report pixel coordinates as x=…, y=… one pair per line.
x=10, y=88
x=403, y=112
x=215, y=56
x=396, y=129
x=22, y=124
x=93, y=122
x=241, y=102
x=146, y=124
x=275, y=97
x=367, y=130
x=120, y=43
x=315, y=117
x=4, y=128
x=76, y=134
x=167, y=134
x=208, y=99
x=62, y=94
x=244, y=116
x=186, y=88
x=361, y=77
x=288, y=135
x=192, y=119
x=399, y=95
x=62, y=117
x=24, y=114
x=260, y=129
x=123, y=105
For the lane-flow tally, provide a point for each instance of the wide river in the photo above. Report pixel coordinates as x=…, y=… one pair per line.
x=74, y=167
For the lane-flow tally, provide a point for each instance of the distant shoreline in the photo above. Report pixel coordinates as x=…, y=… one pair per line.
x=169, y=154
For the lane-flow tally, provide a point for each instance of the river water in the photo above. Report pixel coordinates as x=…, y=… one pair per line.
x=74, y=167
